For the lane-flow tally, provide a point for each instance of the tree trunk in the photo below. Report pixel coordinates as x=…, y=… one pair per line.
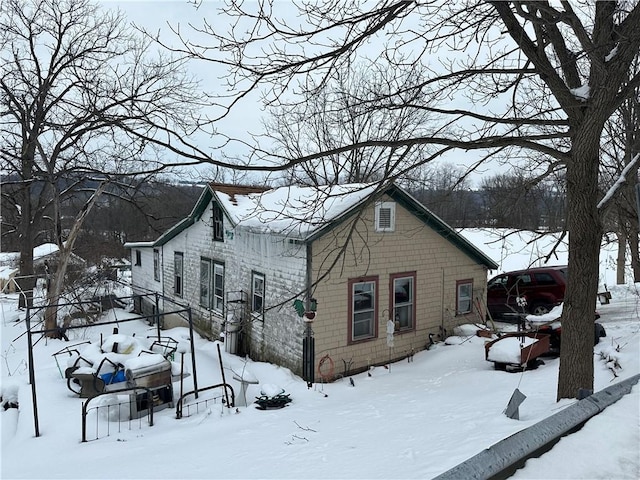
x=53, y=294
x=27, y=280
x=634, y=236
x=621, y=259
x=64, y=255
x=585, y=235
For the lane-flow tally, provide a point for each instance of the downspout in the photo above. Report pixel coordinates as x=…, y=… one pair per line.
x=442, y=306
x=308, y=275
x=162, y=275
x=308, y=343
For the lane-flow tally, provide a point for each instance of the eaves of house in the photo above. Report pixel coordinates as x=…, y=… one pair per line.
x=308, y=213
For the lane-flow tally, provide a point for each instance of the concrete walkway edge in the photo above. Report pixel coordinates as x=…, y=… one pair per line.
x=505, y=457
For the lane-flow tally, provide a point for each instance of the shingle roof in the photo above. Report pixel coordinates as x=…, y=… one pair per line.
x=232, y=190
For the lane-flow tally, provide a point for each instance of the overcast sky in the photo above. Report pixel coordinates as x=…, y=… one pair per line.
x=161, y=16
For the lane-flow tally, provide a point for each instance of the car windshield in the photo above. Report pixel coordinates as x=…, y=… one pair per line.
x=498, y=281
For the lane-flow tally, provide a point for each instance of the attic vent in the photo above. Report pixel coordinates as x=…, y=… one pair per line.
x=385, y=216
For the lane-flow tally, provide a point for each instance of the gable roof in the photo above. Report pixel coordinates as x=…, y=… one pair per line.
x=201, y=205
x=308, y=212
x=440, y=226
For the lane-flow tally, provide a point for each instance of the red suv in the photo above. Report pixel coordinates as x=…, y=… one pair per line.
x=534, y=290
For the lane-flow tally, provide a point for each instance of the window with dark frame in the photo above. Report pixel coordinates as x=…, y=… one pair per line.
x=403, y=300
x=138, y=258
x=218, y=223
x=257, y=293
x=464, y=296
x=363, y=305
x=178, y=262
x=156, y=264
x=212, y=285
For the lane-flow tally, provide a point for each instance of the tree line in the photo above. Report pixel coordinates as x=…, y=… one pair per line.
x=510, y=201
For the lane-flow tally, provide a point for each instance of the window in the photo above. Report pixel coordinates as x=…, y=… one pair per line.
x=212, y=285
x=385, y=216
x=257, y=293
x=177, y=273
x=464, y=294
x=205, y=282
x=218, y=224
x=218, y=287
x=156, y=264
x=363, y=302
x=403, y=295
x=543, y=278
x=138, y=258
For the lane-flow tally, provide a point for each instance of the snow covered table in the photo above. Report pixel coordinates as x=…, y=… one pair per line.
x=245, y=378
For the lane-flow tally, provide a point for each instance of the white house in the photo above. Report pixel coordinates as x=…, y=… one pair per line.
x=362, y=254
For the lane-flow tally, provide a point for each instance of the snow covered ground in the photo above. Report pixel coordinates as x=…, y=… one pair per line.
x=413, y=420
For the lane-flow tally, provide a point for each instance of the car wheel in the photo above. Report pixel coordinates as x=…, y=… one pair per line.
x=540, y=308
x=599, y=332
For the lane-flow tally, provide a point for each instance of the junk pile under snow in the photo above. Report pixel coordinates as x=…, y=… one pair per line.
x=272, y=397
x=517, y=350
x=120, y=363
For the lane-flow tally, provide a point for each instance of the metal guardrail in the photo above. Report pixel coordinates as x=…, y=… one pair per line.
x=502, y=459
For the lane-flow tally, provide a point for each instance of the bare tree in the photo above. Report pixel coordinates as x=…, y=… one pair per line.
x=352, y=107
x=82, y=100
x=518, y=200
x=447, y=192
x=504, y=77
x=621, y=145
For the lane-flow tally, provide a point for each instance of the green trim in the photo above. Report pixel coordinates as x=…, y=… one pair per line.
x=393, y=191
x=193, y=217
x=442, y=228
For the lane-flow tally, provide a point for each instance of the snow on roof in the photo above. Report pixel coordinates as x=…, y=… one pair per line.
x=292, y=209
x=38, y=252
x=138, y=244
x=44, y=250
x=6, y=272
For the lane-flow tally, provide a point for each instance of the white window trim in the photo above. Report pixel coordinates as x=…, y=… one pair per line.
x=459, y=285
x=218, y=268
x=205, y=267
x=254, y=276
x=177, y=274
x=374, y=311
x=391, y=207
x=217, y=220
x=410, y=303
